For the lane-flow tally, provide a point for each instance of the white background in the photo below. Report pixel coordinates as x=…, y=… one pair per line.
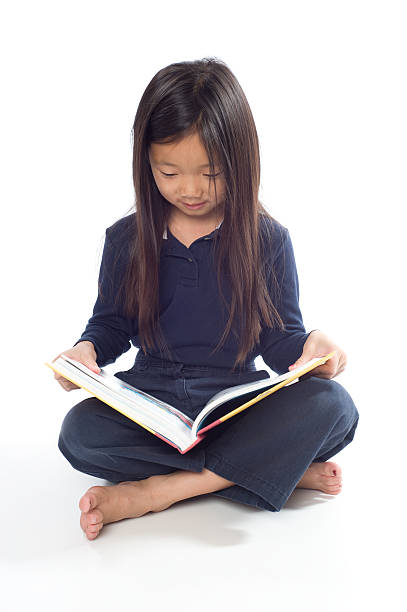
x=326, y=82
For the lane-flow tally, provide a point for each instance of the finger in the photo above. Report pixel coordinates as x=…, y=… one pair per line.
x=320, y=371
x=341, y=366
x=66, y=384
x=340, y=370
x=69, y=386
x=59, y=378
x=323, y=370
x=318, y=375
x=305, y=376
x=343, y=362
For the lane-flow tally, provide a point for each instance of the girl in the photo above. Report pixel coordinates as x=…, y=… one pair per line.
x=203, y=280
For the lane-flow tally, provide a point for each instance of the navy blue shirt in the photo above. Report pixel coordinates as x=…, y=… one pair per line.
x=192, y=316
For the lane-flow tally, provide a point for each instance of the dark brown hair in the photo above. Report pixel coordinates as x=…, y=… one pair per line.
x=200, y=96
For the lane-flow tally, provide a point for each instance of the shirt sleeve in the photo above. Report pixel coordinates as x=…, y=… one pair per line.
x=279, y=349
x=107, y=329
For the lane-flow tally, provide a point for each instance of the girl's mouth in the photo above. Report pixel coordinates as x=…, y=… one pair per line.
x=194, y=205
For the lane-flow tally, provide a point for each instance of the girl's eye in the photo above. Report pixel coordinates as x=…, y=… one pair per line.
x=209, y=175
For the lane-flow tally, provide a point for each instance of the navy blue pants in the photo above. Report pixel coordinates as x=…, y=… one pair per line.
x=265, y=449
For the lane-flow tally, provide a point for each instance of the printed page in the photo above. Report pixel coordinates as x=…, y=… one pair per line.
x=140, y=407
x=238, y=390
x=119, y=386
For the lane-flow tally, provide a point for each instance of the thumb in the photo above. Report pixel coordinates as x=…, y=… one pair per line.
x=92, y=365
x=300, y=361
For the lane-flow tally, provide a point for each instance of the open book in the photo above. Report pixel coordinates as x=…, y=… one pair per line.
x=162, y=419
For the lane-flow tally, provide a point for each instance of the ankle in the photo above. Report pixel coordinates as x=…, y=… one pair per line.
x=158, y=490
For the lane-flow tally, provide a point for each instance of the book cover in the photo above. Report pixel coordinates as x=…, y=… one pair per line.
x=164, y=420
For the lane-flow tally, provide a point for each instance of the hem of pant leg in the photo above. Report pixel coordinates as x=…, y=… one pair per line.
x=329, y=454
x=334, y=451
x=254, y=484
x=82, y=467
x=236, y=494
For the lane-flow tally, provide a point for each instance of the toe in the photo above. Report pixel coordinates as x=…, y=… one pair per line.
x=83, y=521
x=88, y=501
x=332, y=469
x=93, y=531
x=332, y=487
x=336, y=469
x=91, y=498
x=94, y=517
x=335, y=491
x=333, y=481
x=94, y=528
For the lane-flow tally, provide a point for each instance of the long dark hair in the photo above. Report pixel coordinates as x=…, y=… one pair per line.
x=200, y=96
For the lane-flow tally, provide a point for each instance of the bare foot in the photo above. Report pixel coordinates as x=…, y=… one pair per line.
x=103, y=505
x=325, y=476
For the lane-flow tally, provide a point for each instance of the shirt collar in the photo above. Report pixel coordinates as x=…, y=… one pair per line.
x=166, y=236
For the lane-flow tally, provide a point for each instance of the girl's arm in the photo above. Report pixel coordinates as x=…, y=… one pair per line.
x=107, y=329
x=281, y=349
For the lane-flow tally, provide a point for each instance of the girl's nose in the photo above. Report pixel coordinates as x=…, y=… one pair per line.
x=192, y=199
x=191, y=190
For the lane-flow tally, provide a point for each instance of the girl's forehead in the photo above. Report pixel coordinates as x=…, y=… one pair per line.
x=188, y=148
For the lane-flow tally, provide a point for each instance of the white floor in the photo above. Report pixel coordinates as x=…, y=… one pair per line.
x=319, y=552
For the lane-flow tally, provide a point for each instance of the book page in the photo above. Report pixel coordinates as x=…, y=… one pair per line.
x=240, y=390
x=141, y=407
x=118, y=385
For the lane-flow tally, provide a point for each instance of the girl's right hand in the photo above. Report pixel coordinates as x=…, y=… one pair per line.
x=85, y=353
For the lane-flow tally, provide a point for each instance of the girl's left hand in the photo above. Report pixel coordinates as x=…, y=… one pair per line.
x=318, y=345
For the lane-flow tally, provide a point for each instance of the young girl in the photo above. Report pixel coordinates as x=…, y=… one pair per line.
x=203, y=280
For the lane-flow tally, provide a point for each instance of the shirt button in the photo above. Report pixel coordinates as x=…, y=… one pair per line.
x=189, y=259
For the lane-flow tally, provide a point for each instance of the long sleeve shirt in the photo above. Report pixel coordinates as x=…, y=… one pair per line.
x=192, y=315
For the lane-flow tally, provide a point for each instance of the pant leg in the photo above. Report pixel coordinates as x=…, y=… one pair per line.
x=266, y=449
x=98, y=440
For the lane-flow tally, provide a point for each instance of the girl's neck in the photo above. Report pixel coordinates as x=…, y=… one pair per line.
x=190, y=229
x=188, y=224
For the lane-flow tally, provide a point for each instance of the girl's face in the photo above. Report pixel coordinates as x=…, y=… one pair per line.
x=181, y=173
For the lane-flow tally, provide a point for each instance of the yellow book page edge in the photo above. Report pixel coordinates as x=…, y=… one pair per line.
x=99, y=398
x=276, y=387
